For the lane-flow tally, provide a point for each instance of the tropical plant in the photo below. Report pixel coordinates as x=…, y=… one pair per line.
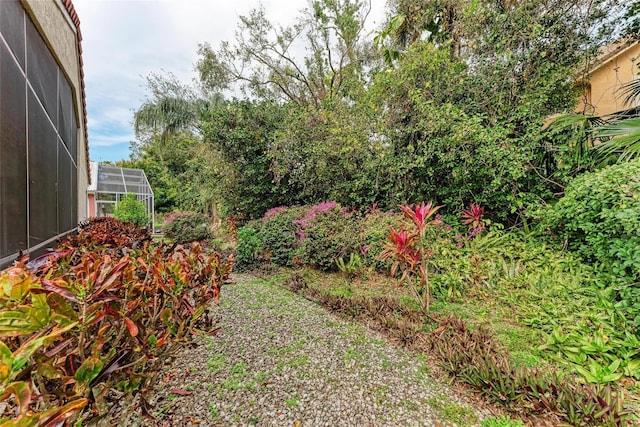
x=472, y=217
x=86, y=319
x=410, y=249
x=352, y=267
x=615, y=136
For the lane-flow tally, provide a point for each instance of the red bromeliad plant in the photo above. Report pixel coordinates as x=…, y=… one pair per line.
x=410, y=249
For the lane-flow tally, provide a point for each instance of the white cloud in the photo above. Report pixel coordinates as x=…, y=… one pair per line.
x=126, y=40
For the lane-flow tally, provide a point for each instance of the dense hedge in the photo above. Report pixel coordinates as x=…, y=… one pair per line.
x=187, y=227
x=316, y=236
x=599, y=216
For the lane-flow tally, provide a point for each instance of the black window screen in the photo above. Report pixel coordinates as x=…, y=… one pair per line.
x=12, y=25
x=42, y=71
x=43, y=175
x=13, y=156
x=38, y=139
x=65, y=111
x=65, y=188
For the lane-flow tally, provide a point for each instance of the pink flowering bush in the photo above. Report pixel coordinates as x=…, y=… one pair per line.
x=327, y=232
x=279, y=235
x=319, y=235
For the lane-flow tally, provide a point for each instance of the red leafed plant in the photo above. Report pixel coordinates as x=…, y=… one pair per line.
x=472, y=217
x=410, y=249
x=104, y=310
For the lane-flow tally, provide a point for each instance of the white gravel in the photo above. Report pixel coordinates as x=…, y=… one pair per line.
x=281, y=360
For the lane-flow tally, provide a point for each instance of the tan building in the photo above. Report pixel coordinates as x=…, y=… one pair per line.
x=615, y=66
x=43, y=134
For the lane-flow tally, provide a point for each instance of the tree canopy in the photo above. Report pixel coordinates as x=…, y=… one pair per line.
x=446, y=102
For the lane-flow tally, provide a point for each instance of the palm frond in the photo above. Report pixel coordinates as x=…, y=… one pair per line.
x=631, y=92
x=620, y=138
x=578, y=128
x=166, y=115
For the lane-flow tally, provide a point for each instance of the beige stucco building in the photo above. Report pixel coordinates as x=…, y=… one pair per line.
x=43, y=134
x=615, y=66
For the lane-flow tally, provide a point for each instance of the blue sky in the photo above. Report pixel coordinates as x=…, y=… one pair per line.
x=126, y=40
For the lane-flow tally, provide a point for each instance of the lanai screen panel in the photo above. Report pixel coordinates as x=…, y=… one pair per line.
x=38, y=139
x=114, y=182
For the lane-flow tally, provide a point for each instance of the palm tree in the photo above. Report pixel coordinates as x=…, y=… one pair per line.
x=169, y=115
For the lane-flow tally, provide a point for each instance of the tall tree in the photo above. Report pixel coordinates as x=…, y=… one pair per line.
x=270, y=61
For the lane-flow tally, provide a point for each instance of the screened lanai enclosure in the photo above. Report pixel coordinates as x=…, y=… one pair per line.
x=109, y=184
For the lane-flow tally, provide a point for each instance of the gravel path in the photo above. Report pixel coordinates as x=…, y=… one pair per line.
x=281, y=360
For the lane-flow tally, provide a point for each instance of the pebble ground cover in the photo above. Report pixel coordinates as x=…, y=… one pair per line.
x=282, y=360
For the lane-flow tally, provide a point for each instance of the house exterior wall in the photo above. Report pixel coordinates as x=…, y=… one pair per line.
x=43, y=154
x=602, y=95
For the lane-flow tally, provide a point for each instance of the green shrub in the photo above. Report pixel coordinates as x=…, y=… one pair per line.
x=278, y=235
x=374, y=230
x=247, y=246
x=129, y=209
x=188, y=227
x=328, y=232
x=599, y=216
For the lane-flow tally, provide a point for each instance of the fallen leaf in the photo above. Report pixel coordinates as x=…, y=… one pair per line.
x=181, y=392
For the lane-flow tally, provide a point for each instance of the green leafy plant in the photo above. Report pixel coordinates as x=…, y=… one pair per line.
x=188, y=227
x=353, y=267
x=598, y=217
x=474, y=357
x=129, y=209
x=248, y=243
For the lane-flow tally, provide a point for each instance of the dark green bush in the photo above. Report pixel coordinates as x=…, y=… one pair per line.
x=374, y=231
x=188, y=227
x=129, y=209
x=599, y=216
x=328, y=232
x=278, y=235
x=247, y=246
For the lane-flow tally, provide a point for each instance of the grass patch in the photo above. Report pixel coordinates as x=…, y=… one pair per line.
x=215, y=363
x=214, y=413
x=452, y=412
x=292, y=402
